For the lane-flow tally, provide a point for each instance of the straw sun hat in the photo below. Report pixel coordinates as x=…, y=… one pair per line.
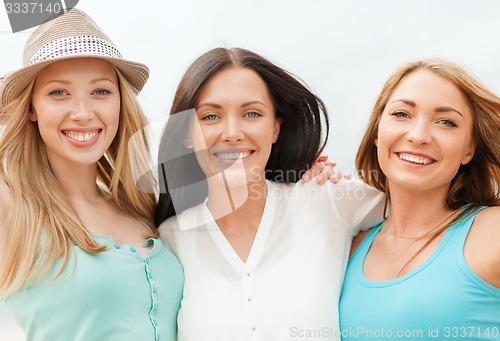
x=71, y=35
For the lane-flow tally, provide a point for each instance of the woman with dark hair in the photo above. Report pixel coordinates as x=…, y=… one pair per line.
x=431, y=270
x=263, y=255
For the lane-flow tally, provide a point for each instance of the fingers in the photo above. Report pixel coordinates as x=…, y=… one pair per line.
x=325, y=171
x=322, y=158
x=326, y=174
x=336, y=176
x=316, y=169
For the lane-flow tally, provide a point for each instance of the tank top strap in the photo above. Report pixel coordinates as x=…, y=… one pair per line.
x=462, y=227
x=360, y=253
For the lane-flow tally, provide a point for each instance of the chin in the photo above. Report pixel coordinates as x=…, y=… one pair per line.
x=236, y=178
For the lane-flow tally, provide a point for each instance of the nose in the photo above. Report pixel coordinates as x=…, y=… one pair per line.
x=419, y=132
x=82, y=110
x=233, y=130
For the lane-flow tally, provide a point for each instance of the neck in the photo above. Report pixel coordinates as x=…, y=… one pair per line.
x=78, y=182
x=413, y=215
x=236, y=205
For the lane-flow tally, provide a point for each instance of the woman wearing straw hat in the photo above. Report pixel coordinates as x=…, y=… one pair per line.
x=80, y=261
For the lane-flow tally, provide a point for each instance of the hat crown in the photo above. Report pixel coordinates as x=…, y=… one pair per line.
x=70, y=35
x=72, y=23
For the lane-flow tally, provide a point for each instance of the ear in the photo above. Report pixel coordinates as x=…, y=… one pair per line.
x=188, y=142
x=33, y=117
x=376, y=142
x=277, y=126
x=469, y=155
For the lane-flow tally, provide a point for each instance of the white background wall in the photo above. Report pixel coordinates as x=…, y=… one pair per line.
x=343, y=49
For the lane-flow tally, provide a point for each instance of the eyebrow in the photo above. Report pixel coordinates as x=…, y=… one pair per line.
x=97, y=80
x=218, y=106
x=58, y=81
x=209, y=105
x=252, y=102
x=68, y=82
x=438, y=109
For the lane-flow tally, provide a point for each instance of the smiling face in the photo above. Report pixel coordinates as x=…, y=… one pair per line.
x=425, y=133
x=76, y=103
x=235, y=124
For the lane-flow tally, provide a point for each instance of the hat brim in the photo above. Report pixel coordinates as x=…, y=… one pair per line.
x=14, y=84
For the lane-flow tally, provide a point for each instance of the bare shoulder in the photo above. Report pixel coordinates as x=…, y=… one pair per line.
x=481, y=249
x=486, y=226
x=489, y=216
x=357, y=241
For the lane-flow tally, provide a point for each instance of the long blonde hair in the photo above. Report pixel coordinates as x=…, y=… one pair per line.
x=41, y=225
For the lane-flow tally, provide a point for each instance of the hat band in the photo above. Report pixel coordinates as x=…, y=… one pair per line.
x=74, y=45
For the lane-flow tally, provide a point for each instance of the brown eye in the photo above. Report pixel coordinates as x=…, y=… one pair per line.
x=448, y=123
x=399, y=113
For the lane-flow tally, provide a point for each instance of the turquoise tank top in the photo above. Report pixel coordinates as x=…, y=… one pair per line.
x=442, y=299
x=113, y=295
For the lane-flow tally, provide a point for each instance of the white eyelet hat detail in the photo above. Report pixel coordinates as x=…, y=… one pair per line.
x=71, y=35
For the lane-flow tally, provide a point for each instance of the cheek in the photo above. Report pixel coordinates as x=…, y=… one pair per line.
x=201, y=138
x=47, y=123
x=111, y=117
x=48, y=130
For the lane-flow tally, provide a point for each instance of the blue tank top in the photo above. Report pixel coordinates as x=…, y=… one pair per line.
x=442, y=299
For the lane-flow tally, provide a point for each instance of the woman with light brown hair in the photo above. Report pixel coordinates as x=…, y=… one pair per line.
x=80, y=255
x=432, y=269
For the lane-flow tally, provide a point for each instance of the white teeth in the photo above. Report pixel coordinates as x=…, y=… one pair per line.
x=82, y=137
x=232, y=156
x=415, y=159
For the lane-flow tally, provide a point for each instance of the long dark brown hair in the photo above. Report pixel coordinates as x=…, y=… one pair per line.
x=302, y=114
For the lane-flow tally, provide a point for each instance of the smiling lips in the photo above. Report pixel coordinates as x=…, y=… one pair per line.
x=81, y=136
x=416, y=159
x=233, y=156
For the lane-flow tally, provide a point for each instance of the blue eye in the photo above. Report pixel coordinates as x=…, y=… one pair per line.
x=209, y=117
x=102, y=92
x=253, y=114
x=57, y=93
